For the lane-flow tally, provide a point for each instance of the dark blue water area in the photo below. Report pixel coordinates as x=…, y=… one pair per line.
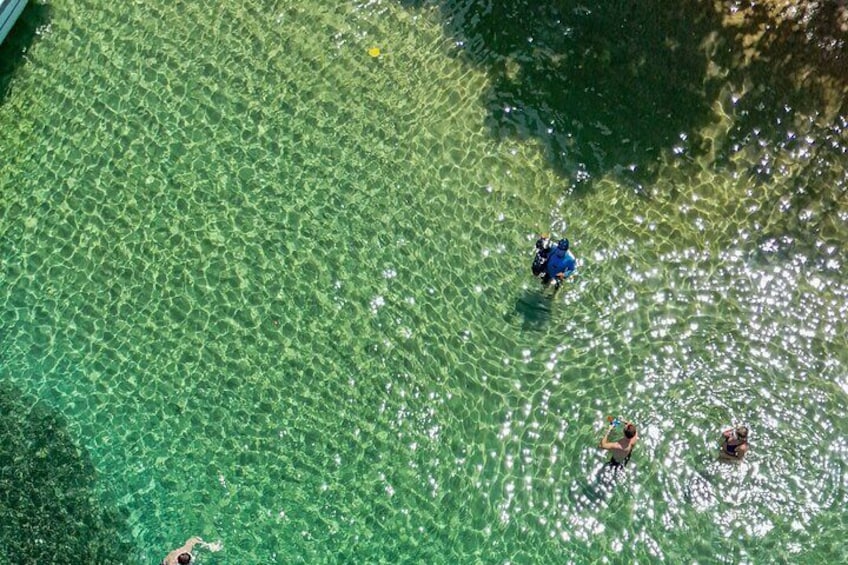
x=49, y=509
x=609, y=87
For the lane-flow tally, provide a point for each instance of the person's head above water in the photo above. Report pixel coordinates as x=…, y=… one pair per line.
x=630, y=431
x=184, y=558
x=742, y=433
x=563, y=244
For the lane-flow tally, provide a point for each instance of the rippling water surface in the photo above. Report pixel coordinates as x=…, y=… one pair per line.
x=262, y=286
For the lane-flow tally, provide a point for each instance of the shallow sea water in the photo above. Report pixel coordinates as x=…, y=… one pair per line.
x=262, y=287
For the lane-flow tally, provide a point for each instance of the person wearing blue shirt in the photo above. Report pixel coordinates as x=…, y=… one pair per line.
x=561, y=265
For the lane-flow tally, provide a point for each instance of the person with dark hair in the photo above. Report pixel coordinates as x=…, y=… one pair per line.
x=182, y=555
x=734, y=444
x=561, y=264
x=540, y=260
x=622, y=448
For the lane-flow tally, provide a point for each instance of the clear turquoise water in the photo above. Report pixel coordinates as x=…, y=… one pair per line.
x=262, y=287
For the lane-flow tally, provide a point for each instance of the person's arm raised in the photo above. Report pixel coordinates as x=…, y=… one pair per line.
x=188, y=546
x=604, y=444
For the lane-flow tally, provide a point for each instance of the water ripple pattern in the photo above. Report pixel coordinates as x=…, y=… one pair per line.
x=270, y=269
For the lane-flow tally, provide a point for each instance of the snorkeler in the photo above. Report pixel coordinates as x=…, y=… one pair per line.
x=734, y=444
x=621, y=449
x=540, y=260
x=560, y=265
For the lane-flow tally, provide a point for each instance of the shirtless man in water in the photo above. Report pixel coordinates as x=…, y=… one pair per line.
x=182, y=555
x=622, y=448
x=734, y=444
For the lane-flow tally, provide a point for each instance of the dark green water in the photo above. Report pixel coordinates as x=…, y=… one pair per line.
x=260, y=286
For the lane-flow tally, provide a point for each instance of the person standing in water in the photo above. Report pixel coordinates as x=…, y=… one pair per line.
x=734, y=444
x=622, y=448
x=561, y=264
x=540, y=260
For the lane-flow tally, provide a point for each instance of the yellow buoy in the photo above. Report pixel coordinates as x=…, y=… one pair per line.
x=374, y=51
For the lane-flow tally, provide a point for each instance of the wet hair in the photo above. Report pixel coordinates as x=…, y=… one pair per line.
x=742, y=433
x=630, y=431
x=563, y=244
x=184, y=558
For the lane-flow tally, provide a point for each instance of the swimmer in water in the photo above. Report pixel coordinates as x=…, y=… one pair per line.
x=622, y=448
x=734, y=444
x=182, y=555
